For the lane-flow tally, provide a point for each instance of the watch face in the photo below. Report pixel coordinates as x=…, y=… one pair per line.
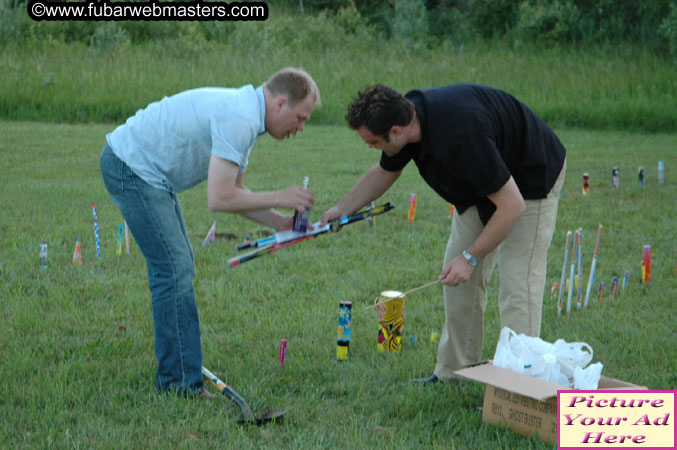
x=470, y=258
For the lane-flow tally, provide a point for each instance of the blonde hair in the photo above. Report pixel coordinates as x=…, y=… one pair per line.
x=296, y=84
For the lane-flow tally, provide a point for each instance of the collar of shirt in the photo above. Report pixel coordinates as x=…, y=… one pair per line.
x=262, y=107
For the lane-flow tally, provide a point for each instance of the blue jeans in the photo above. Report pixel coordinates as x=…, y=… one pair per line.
x=155, y=219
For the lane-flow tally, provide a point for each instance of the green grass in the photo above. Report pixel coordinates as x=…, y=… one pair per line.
x=77, y=341
x=624, y=87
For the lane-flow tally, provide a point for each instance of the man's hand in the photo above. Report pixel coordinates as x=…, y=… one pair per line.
x=287, y=222
x=458, y=270
x=332, y=213
x=297, y=198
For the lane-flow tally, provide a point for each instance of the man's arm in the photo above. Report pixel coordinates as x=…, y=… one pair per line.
x=509, y=208
x=371, y=186
x=226, y=192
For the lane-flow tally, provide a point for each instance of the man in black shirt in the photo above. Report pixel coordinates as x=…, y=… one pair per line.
x=501, y=166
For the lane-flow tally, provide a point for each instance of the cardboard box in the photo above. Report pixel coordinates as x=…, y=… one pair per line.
x=523, y=403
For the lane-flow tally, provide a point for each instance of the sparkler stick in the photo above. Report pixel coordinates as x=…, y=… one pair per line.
x=96, y=232
x=571, y=273
x=593, y=266
x=562, y=281
x=287, y=238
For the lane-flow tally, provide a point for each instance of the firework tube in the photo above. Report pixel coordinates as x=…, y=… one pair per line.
x=562, y=281
x=121, y=229
x=283, y=351
x=626, y=280
x=661, y=172
x=44, y=248
x=614, y=288
x=600, y=293
x=391, y=320
x=615, y=177
x=586, y=184
x=96, y=232
x=126, y=237
x=413, y=198
x=344, y=322
x=646, y=264
x=571, y=272
x=77, y=253
x=301, y=218
x=593, y=266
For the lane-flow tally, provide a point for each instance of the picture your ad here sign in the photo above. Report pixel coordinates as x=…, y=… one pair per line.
x=616, y=419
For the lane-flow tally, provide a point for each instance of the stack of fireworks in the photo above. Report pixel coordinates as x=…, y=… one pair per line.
x=640, y=176
x=574, y=281
x=123, y=231
x=576, y=271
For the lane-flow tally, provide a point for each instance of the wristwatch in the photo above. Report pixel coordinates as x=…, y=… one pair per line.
x=472, y=260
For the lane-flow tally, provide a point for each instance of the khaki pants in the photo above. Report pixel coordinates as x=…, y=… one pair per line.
x=522, y=260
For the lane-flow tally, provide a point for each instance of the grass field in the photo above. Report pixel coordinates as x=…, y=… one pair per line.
x=620, y=87
x=77, y=341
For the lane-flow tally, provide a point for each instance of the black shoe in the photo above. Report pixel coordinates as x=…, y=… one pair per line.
x=425, y=381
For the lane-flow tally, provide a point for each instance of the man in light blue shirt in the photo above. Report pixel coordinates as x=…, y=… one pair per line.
x=174, y=144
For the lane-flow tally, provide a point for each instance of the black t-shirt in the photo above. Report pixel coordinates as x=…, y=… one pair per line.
x=473, y=138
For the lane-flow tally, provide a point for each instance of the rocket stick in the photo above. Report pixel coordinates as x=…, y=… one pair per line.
x=287, y=238
x=564, y=274
x=571, y=273
x=593, y=267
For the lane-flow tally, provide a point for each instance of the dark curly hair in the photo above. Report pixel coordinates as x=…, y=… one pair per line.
x=379, y=108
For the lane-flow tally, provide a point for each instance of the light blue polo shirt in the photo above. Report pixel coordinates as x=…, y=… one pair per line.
x=169, y=143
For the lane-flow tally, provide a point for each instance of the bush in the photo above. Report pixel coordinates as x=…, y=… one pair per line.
x=108, y=36
x=547, y=21
x=492, y=18
x=410, y=22
x=450, y=20
x=14, y=23
x=668, y=30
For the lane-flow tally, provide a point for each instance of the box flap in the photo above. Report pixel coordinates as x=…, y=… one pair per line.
x=612, y=384
x=511, y=381
x=526, y=385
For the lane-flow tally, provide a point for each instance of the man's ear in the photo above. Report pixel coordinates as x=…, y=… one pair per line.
x=280, y=102
x=396, y=132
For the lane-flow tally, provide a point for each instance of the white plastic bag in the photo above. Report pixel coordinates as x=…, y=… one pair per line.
x=557, y=363
x=572, y=355
x=510, y=353
x=588, y=378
